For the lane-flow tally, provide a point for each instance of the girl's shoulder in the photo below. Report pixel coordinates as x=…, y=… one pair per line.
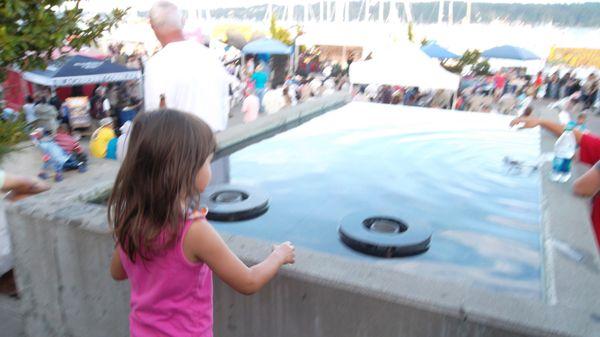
x=199, y=239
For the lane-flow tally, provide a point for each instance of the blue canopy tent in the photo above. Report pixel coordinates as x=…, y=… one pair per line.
x=267, y=46
x=79, y=70
x=264, y=48
x=436, y=51
x=510, y=53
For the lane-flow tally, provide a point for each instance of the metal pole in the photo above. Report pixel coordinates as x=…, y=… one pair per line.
x=331, y=11
x=347, y=11
x=269, y=13
x=408, y=11
x=468, y=15
x=305, y=13
x=321, y=9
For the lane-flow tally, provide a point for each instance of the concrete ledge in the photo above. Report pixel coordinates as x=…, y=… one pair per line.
x=243, y=135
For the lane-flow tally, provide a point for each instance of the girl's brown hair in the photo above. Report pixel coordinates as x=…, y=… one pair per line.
x=167, y=149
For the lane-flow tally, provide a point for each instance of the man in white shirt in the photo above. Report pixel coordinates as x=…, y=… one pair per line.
x=187, y=73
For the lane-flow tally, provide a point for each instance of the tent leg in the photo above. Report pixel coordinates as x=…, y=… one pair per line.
x=454, y=98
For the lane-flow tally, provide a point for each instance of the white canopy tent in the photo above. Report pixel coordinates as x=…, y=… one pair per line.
x=406, y=65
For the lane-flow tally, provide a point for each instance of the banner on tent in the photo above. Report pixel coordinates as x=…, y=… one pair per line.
x=81, y=80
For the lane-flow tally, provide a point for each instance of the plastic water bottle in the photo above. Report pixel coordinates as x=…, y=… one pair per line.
x=564, y=150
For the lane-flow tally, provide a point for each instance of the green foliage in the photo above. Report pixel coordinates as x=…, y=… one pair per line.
x=411, y=34
x=30, y=30
x=470, y=58
x=12, y=132
x=481, y=68
x=280, y=33
x=424, y=42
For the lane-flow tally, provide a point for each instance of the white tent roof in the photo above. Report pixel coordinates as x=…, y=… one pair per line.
x=404, y=65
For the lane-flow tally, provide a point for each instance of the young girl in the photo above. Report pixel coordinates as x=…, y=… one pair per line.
x=165, y=248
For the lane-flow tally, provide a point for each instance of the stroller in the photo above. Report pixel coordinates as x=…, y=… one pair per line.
x=55, y=158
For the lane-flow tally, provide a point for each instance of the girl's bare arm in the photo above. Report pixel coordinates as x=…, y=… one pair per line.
x=203, y=243
x=116, y=267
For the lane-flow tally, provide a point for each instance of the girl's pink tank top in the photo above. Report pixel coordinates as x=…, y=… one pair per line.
x=170, y=296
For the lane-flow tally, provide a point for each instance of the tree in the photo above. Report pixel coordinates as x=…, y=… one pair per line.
x=469, y=58
x=481, y=68
x=32, y=30
x=424, y=42
x=411, y=34
x=280, y=33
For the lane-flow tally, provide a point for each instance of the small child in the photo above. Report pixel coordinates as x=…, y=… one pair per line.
x=581, y=119
x=55, y=158
x=165, y=247
x=71, y=146
x=579, y=124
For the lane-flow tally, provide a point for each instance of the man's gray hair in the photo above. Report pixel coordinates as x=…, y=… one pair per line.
x=165, y=15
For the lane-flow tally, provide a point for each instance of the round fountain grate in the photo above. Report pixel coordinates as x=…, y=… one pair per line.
x=227, y=202
x=385, y=225
x=228, y=196
x=384, y=235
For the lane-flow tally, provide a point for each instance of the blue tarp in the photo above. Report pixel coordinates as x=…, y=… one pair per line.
x=435, y=50
x=267, y=46
x=78, y=70
x=510, y=53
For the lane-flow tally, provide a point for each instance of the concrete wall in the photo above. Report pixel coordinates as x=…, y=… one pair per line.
x=62, y=246
x=63, y=259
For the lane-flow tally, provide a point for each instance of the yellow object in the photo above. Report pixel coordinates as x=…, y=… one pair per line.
x=575, y=57
x=100, y=140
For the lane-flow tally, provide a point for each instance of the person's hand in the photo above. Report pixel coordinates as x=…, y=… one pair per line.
x=286, y=252
x=21, y=187
x=526, y=122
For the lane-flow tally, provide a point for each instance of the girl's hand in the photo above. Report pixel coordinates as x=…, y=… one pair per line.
x=527, y=122
x=286, y=252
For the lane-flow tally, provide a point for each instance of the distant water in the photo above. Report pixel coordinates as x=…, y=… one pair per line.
x=441, y=167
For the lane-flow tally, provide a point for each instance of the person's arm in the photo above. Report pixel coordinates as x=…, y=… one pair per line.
x=116, y=267
x=206, y=245
x=553, y=127
x=588, y=184
x=20, y=187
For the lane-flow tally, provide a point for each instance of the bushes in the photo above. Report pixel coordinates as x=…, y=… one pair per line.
x=11, y=133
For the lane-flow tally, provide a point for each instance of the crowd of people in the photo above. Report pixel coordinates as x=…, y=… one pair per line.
x=257, y=90
x=511, y=91
x=399, y=95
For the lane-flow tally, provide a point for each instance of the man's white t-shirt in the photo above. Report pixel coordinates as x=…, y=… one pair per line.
x=192, y=80
x=106, y=105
